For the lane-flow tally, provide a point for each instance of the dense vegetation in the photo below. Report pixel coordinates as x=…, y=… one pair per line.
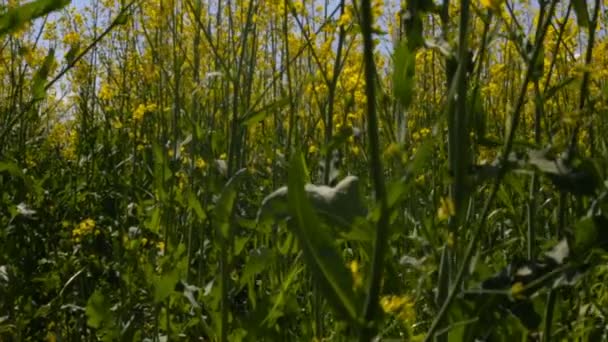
x=303, y=170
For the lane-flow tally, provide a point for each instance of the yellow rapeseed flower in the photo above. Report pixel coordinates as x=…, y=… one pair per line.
x=138, y=114
x=400, y=306
x=356, y=274
x=161, y=247
x=446, y=209
x=105, y=92
x=71, y=38
x=116, y=124
x=492, y=4
x=517, y=290
x=200, y=163
x=84, y=228
x=345, y=19
x=142, y=110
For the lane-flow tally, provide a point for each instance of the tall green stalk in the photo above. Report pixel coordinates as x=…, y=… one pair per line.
x=464, y=265
x=370, y=311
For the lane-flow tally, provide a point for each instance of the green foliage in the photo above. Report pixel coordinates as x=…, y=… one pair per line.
x=40, y=78
x=163, y=171
x=403, y=73
x=14, y=18
x=318, y=246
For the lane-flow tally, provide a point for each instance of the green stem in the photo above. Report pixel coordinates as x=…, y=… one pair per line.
x=502, y=172
x=380, y=239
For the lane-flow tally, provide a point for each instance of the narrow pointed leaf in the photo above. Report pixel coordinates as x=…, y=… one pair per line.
x=403, y=74
x=39, y=81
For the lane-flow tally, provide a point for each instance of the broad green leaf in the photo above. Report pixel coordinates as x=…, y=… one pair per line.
x=98, y=309
x=162, y=170
x=196, y=207
x=590, y=232
x=12, y=169
x=39, y=81
x=585, y=234
x=153, y=221
x=14, y=18
x=320, y=253
x=164, y=285
x=403, y=73
x=258, y=261
x=582, y=13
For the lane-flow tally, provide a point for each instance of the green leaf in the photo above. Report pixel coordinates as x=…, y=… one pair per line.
x=162, y=172
x=259, y=260
x=39, y=80
x=122, y=18
x=590, y=232
x=98, y=309
x=15, y=18
x=399, y=189
x=585, y=233
x=403, y=73
x=153, y=221
x=256, y=116
x=164, y=285
x=582, y=13
x=72, y=52
x=12, y=169
x=320, y=253
x=225, y=204
x=276, y=310
x=195, y=205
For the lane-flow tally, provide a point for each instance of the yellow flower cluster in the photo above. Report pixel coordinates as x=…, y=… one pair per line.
x=421, y=133
x=71, y=38
x=142, y=109
x=356, y=274
x=106, y=92
x=83, y=229
x=492, y=4
x=401, y=306
x=64, y=139
x=446, y=209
